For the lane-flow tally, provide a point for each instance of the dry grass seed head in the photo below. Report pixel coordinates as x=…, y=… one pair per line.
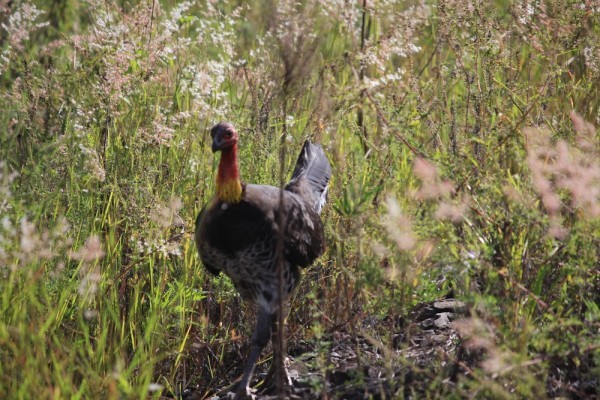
x=398, y=225
x=432, y=186
x=560, y=167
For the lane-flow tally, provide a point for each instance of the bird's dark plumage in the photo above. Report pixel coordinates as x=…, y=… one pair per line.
x=237, y=232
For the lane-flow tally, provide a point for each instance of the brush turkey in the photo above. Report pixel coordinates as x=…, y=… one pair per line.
x=237, y=232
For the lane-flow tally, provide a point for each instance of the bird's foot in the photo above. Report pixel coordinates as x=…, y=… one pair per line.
x=242, y=393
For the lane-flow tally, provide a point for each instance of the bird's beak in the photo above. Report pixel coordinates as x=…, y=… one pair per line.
x=216, y=144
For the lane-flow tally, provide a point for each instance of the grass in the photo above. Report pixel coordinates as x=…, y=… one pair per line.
x=465, y=155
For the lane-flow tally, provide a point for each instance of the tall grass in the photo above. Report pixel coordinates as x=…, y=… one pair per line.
x=465, y=154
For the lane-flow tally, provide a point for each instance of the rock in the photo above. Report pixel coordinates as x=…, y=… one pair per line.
x=423, y=312
x=450, y=305
x=428, y=323
x=442, y=321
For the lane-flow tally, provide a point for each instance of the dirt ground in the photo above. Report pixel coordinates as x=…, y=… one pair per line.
x=358, y=366
x=426, y=357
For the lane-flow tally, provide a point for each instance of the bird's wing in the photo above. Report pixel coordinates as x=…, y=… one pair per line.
x=213, y=269
x=303, y=229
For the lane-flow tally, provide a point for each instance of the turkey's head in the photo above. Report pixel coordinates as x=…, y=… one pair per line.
x=223, y=135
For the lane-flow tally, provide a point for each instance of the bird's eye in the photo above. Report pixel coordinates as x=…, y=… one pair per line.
x=228, y=134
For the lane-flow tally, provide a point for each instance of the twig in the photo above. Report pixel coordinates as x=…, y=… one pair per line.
x=539, y=301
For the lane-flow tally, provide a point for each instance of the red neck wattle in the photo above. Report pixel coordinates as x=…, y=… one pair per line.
x=228, y=166
x=229, y=187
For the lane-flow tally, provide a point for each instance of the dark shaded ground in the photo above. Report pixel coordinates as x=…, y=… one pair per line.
x=357, y=365
x=361, y=367
x=423, y=357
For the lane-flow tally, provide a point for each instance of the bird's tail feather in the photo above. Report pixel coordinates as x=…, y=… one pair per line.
x=313, y=165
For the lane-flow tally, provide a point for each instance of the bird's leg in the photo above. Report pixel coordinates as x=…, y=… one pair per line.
x=260, y=338
x=278, y=380
x=282, y=380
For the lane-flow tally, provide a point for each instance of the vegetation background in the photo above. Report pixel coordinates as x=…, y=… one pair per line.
x=465, y=155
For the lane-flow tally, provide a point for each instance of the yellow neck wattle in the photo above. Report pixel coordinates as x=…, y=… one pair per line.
x=229, y=186
x=230, y=191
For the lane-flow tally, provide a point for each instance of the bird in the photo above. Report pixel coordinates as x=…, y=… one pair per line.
x=237, y=233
